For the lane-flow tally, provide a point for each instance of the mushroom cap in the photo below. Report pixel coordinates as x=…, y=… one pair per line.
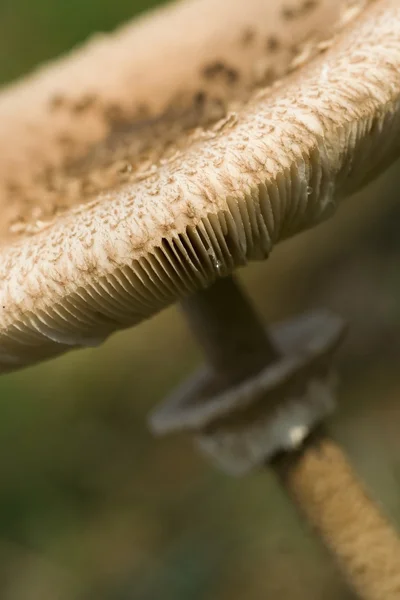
x=184, y=196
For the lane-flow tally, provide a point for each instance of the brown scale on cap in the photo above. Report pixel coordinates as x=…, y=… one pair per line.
x=272, y=44
x=248, y=37
x=137, y=212
x=298, y=10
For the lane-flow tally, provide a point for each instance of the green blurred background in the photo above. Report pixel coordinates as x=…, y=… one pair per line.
x=91, y=506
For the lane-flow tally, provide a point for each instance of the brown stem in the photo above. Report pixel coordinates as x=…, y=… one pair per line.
x=321, y=482
x=229, y=331
x=318, y=478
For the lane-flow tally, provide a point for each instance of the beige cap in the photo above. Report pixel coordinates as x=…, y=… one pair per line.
x=163, y=206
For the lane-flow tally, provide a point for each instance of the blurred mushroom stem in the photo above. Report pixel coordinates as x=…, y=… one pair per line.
x=316, y=473
x=229, y=331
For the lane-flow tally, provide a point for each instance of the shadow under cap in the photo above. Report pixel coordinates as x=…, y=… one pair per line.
x=273, y=166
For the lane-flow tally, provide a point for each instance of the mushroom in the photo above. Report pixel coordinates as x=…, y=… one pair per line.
x=115, y=217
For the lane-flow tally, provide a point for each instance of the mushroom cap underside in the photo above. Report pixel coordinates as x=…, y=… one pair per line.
x=218, y=192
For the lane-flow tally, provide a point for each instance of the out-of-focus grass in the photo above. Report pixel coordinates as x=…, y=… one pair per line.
x=32, y=31
x=92, y=507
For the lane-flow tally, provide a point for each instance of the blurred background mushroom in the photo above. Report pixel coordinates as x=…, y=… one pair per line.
x=89, y=505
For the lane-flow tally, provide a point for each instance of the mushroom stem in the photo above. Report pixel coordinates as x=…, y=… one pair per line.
x=318, y=477
x=229, y=331
x=323, y=485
